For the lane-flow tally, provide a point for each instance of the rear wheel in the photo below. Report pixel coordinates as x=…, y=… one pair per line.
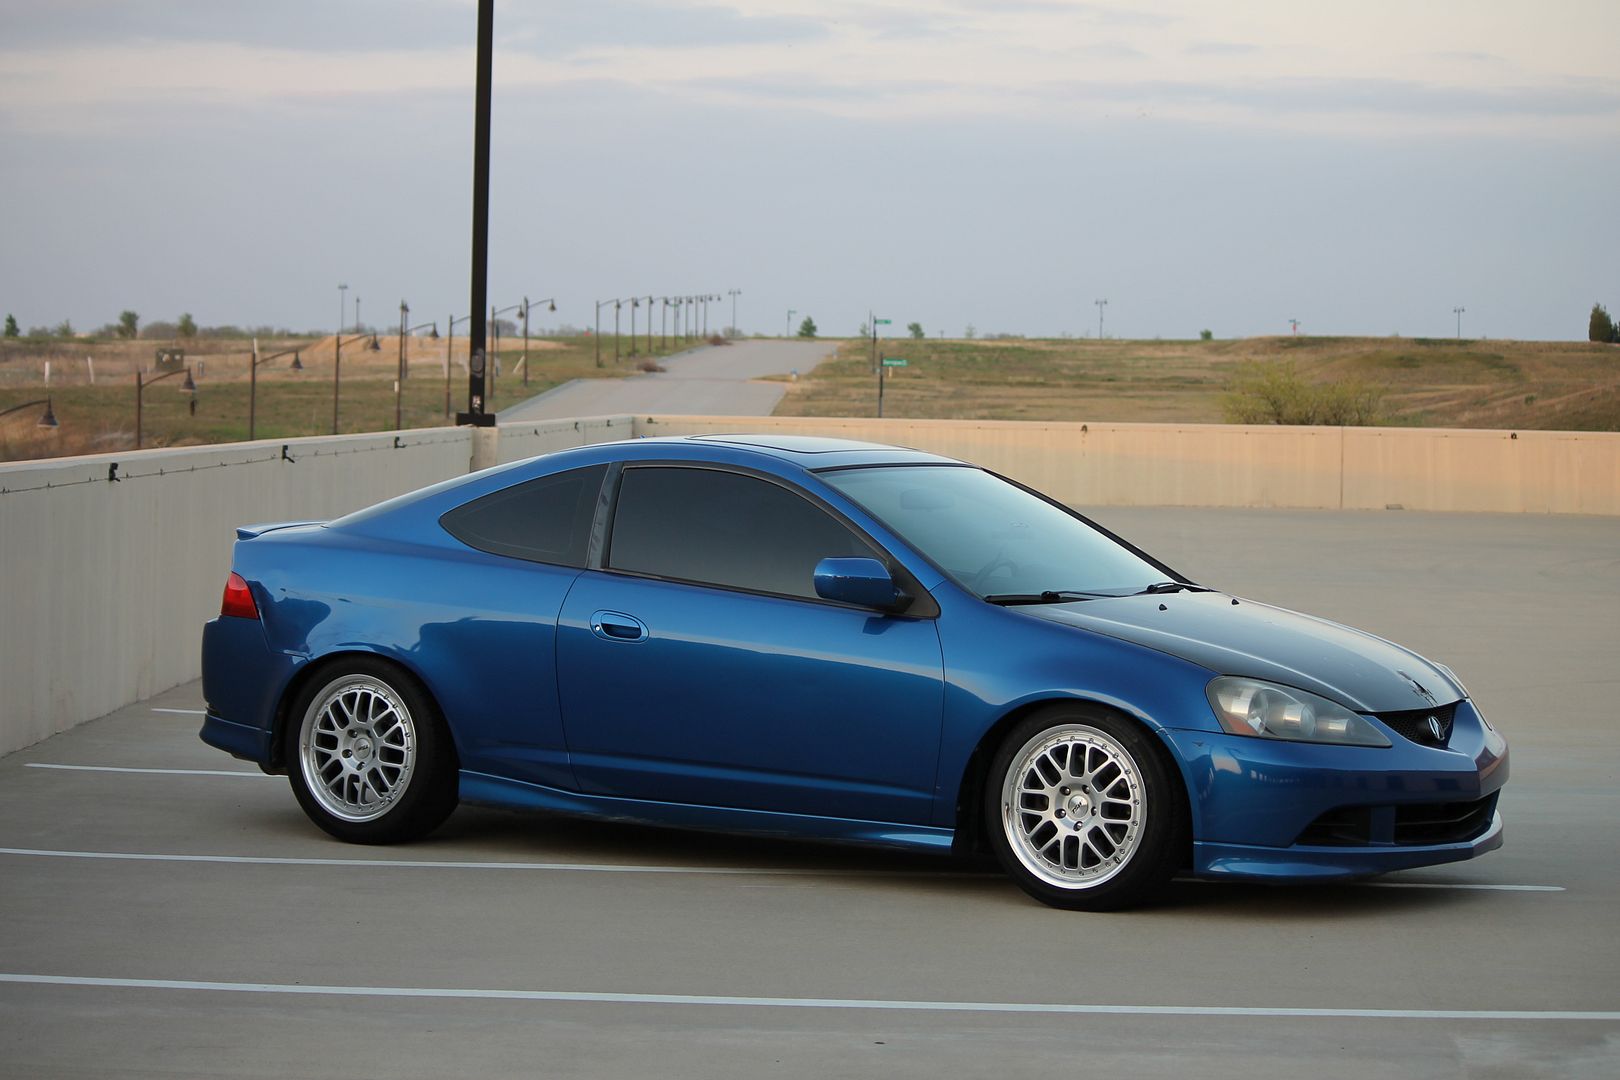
x=369, y=759
x=1082, y=811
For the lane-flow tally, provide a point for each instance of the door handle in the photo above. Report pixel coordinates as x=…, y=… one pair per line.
x=617, y=626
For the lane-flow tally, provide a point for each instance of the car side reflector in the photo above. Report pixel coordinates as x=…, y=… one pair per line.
x=238, y=600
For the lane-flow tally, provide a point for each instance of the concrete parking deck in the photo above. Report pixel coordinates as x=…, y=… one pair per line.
x=166, y=911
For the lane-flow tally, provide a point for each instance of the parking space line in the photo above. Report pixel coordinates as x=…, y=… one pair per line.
x=183, y=712
x=163, y=772
x=425, y=864
x=859, y=1004
x=633, y=868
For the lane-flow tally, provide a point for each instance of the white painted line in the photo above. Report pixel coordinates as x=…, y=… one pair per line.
x=184, y=712
x=162, y=772
x=624, y=868
x=1455, y=885
x=590, y=997
x=421, y=864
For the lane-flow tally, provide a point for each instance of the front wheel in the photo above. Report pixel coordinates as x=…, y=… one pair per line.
x=1082, y=812
x=369, y=759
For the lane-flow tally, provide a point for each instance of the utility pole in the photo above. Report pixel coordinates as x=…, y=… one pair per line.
x=1100, y=305
x=787, y=329
x=1458, y=311
x=734, y=293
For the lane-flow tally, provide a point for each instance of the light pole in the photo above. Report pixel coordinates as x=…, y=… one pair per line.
x=357, y=325
x=650, y=300
x=734, y=293
x=343, y=306
x=337, y=370
x=253, y=381
x=1458, y=311
x=449, y=347
x=399, y=380
x=788, y=326
x=1100, y=305
x=552, y=306
x=600, y=304
x=635, y=302
x=47, y=419
x=663, y=324
x=187, y=387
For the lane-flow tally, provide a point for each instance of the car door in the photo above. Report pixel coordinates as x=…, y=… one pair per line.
x=698, y=666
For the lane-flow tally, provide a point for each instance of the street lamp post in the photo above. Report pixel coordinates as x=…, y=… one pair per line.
x=343, y=306
x=635, y=302
x=1100, y=305
x=187, y=387
x=788, y=326
x=47, y=418
x=650, y=300
x=552, y=306
x=253, y=381
x=1458, y=311
x=600, y=304
x=734, y=293
x=399, y=380
x=337, y=369
x=449, y=347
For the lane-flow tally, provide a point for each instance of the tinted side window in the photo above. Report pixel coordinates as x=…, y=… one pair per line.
x=546, y=520
x=724, y=529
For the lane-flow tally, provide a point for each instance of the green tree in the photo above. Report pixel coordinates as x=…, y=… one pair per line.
x=1206, y=335
x=808, y=327
x=969, y=332
x=916, y=330
x=186, y=327
x=128, y=324
x=63, y=329
x=1601, y=327
x=865, y=331
x=11, y=326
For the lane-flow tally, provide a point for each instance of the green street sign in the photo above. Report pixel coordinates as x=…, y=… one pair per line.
x=882, y=322
x=894, y=361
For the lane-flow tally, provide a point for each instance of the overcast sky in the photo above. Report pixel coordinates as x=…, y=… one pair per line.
x=1363, y=166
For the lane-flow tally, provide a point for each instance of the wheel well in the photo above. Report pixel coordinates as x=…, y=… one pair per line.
x=970, y=837
x=313, y=670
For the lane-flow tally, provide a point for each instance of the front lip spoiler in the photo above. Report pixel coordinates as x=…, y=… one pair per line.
x=1306, y=864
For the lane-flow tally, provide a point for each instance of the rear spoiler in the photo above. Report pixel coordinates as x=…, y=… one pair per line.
x=250, y=532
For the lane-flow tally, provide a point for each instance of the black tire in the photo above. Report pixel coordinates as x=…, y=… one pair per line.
x=1083, y=811
x=368, y=754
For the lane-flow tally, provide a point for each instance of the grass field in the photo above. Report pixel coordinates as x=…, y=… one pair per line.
x=1426, y=381
x=100, y=417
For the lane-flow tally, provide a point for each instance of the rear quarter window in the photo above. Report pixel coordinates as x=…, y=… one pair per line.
x=546, y=520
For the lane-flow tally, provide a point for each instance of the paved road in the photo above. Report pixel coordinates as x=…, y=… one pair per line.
x=566, y=949
x=717, y=380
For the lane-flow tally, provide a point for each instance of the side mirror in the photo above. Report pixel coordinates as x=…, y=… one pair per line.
x=864, y=582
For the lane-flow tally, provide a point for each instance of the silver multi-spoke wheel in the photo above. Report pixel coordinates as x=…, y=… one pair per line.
x=357, y=748
x=1073, y=806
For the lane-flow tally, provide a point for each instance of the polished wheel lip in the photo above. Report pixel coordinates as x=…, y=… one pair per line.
x=357, y=748
x=1073, y=825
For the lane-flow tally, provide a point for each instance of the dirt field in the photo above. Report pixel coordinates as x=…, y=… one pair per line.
x=1426, y=381
x=99, y=415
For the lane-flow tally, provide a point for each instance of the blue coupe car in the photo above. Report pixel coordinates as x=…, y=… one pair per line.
x=837, y=640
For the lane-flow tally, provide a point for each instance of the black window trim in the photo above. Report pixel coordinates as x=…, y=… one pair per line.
x=923, y=605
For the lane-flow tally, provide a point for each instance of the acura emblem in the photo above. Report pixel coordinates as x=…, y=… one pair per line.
x=1436, y=729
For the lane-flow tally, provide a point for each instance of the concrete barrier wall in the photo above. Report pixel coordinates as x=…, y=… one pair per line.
x=104, y=584
x=1093, y=464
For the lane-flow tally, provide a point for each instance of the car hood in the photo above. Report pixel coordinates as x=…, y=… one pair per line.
x=1240, y=637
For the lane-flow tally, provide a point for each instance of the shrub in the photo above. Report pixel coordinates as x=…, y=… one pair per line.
x=1278, y=394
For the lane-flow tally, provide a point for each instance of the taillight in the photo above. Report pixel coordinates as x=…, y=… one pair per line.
x=238, y=599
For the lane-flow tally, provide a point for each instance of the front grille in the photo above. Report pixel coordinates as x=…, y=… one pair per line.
x=1443, y=823
x=1414, y=724
x=1404, y=825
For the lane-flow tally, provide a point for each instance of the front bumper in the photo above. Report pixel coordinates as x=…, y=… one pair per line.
x=1262, y=808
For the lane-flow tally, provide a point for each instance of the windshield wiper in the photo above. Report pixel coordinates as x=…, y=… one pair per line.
x=1171, y=586
x=1049, y=596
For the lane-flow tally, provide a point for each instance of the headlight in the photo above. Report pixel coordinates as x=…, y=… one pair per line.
x=1252, y=707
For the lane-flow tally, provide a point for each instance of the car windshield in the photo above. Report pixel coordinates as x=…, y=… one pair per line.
x=993, y=538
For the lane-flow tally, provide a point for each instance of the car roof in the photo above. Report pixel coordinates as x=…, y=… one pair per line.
x=808, y=451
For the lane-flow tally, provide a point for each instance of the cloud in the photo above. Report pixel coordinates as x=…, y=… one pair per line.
x=1222, y=48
